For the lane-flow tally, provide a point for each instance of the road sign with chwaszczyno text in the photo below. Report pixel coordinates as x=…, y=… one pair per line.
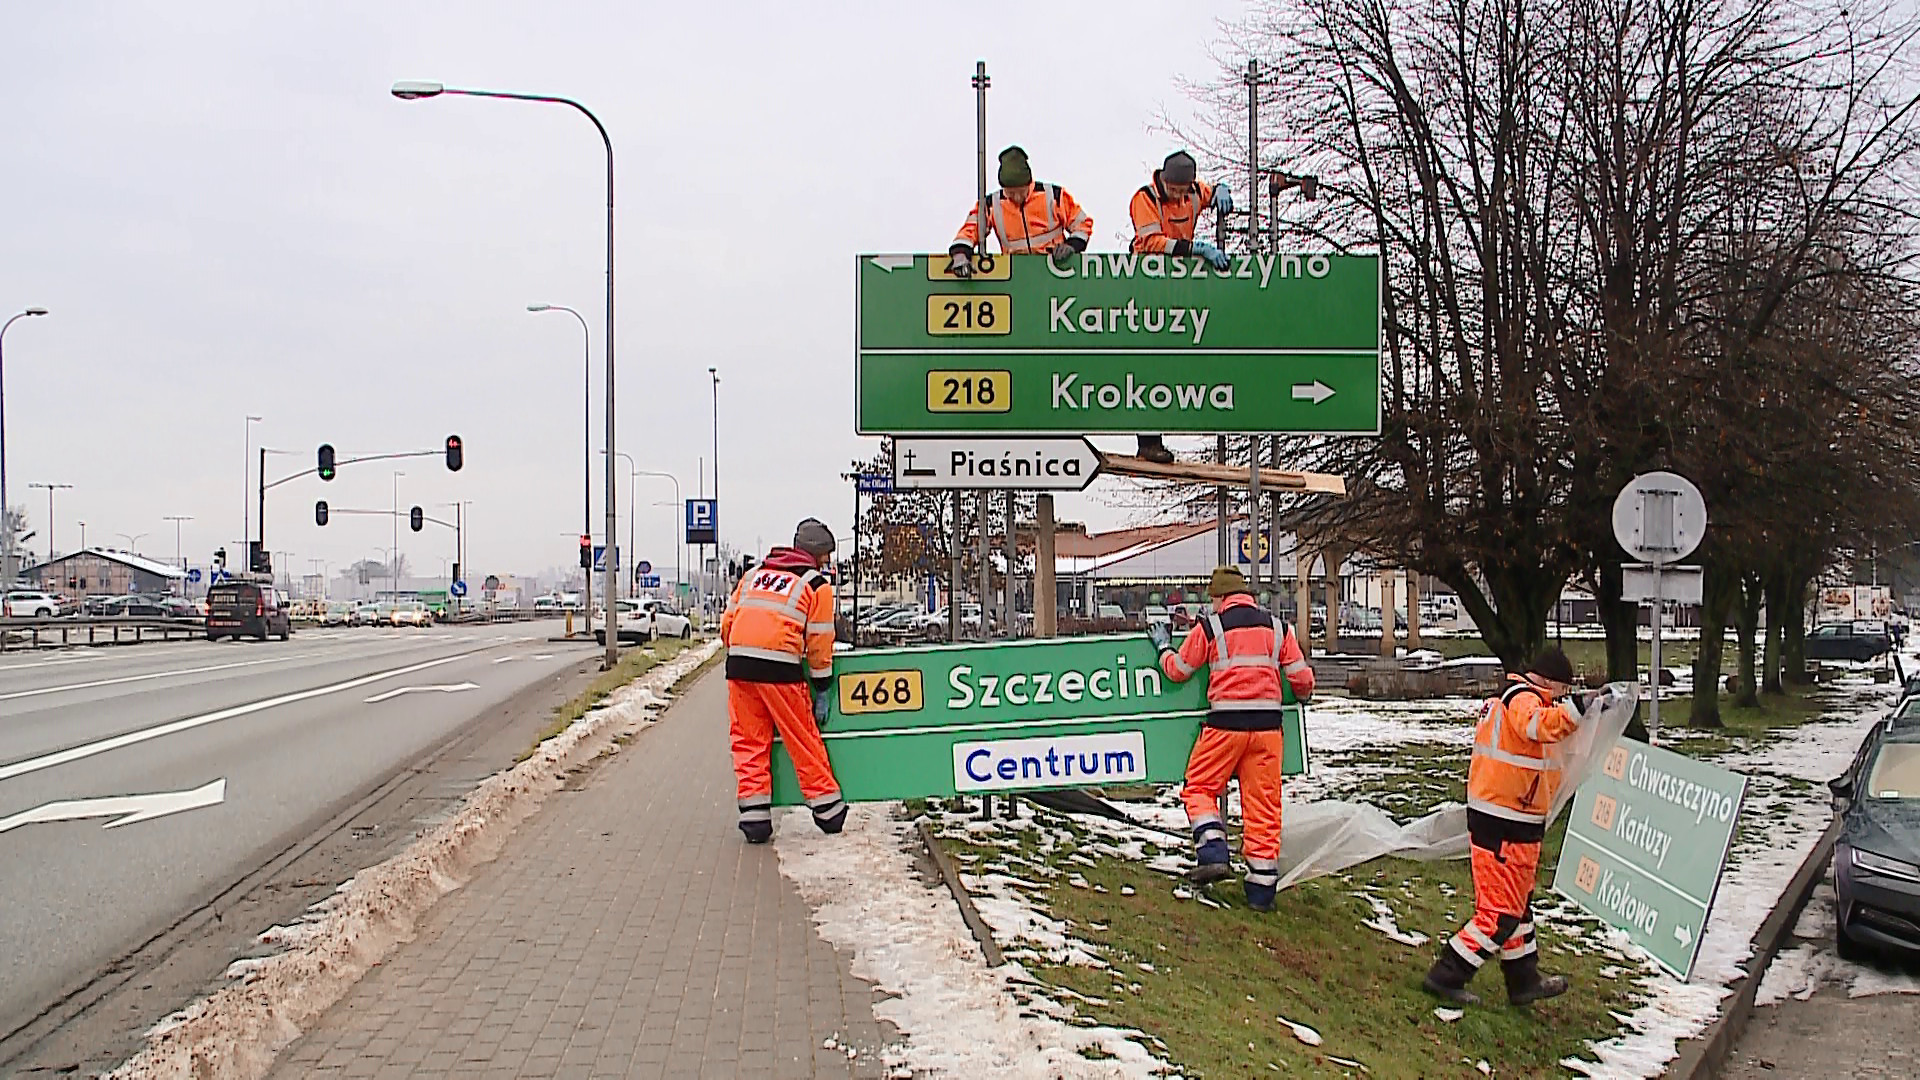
x=997, y=462
x=1119, y=343
x=1645, y=845
x=1011, y=716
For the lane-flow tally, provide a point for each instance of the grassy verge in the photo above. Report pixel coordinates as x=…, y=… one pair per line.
x=634, y=662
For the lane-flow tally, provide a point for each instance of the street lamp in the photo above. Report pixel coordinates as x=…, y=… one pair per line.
x=714, y=374
x=246, y=498
x=679, y=531
x=51, y=488
x=413, y=90
x=586, y=443
x=177, y=557
x=393, y=566
x=6, y=508
x=133, y=541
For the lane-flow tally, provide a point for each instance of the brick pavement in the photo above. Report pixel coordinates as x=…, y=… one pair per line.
x=1831, y=1035
x=626, y=931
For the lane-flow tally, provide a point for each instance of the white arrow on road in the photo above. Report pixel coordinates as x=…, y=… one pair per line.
x=1315, y=391
x=126, y=808
x=1682, y=935
x=890, y=263
x=445, y=688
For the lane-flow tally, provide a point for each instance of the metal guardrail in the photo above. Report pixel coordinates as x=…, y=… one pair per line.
x=95, y=630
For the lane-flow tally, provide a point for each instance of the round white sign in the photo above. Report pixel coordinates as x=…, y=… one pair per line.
x=1659, y=517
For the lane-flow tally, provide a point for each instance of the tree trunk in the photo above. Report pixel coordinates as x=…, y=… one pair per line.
x=1777, y=615
x=1511, y=614
x=1793, y=631
x=1720, y=589
x=1746, y=622
x=1621, y=619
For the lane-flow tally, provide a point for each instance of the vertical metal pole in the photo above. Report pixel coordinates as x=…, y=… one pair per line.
x=980, y=84
x=954, y=548
x=982, y=501
x=612, y=589
x=1220, y=499
x=854, y=628
x=1653, y=720
x=1254, y=533
x=1009, y=607
x=586, y=464
x=1253, y=156
x=261, y=525
x=1046, y=596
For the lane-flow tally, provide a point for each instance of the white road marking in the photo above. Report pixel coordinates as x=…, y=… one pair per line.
x=543, y=656
x=505, y=659
x=152, y=675
x=79, y=658
x=132, y=738
x=126, y=808
x=445, y=688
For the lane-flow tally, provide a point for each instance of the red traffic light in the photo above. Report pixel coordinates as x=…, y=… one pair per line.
x=586, y=552
x=456, y=454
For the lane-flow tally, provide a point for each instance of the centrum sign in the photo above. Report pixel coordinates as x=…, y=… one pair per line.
x=1119, y=343
x=1011, y=716
x=1645, y=846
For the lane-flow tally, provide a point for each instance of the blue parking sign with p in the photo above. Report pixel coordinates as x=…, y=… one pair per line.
x=703, y=521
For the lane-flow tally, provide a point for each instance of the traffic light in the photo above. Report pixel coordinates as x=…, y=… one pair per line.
x=220, y=558
x=586, y=553
x=456, y=572
x=416, y=520
x=320, y=512
x=326, y=463
x=455, y=455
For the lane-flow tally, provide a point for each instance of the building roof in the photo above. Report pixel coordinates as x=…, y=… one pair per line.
x=125, y=558
x=1142, y=537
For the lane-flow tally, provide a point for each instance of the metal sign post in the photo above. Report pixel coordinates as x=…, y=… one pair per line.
x=1659, y=517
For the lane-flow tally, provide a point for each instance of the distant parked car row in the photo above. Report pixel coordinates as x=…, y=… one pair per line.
x=39, y=604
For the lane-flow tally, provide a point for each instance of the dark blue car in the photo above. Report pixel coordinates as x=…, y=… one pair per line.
x=1876, y=863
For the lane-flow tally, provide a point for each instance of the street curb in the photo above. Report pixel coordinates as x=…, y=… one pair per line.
x=1701, y=1058
x=968, y=913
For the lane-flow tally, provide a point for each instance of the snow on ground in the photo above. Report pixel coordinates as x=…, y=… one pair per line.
x=1804, y=970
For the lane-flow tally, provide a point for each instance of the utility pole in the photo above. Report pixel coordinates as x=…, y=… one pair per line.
x=177, y=555
x=51, y=488
x=246, y=496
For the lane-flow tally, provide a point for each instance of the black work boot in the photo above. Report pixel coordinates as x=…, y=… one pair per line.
x=1525, y=984
x=1152, y=448
x=757, y=832
x=1448, y=978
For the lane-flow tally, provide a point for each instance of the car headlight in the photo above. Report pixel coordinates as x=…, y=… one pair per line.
x=1880, y=864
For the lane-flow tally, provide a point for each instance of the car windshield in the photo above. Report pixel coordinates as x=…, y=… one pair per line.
x=1896, y=771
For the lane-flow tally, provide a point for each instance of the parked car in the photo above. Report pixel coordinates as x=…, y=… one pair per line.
x=337, y=613
x=412, y=613
x=31, y=604
x=179, y=607
x=244, y=609
x=668, y=621
x=1856, y=640
x=135, y=606
x=644, y=618
x=546, y=603
x=95, y=603
x=1876, y=862
x=370, y=614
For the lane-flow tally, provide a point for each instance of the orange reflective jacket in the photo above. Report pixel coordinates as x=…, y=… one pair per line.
x=1165, y=224
x=1510, y=776
x=778, y=626
x=1247, y=651
x=1034, y=227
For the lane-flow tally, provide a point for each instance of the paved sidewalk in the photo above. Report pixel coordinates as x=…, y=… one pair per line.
x=1830, y=1034
x=625, y=931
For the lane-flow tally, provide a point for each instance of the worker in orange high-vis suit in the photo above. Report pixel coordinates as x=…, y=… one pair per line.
x=1165, y=214
x=1254, y=667
x=1511, y=784
x=1029, y=219
x=778, y=630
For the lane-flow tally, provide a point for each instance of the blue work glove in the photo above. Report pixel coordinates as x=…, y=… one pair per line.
x=1210, y=253
x=1158, y=634
x=822, y=703
x=1223, y=199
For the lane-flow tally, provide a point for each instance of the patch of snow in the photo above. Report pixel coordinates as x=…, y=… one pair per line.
x=1448, y=1016
x=1383, y=921
x=1302, y=1032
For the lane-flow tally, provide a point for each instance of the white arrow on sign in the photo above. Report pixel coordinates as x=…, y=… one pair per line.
x=890, y=263
x=127, y=809
x=1315, y=391
x=995, y=463
x=445, y=688
x=1682, y=935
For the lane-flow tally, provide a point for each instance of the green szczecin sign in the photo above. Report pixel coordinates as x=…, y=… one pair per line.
x=1645, y=845
x=1011, y=716
x=1119, y=343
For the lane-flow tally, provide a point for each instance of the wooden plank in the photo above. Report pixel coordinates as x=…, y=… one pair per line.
x=1207, y=472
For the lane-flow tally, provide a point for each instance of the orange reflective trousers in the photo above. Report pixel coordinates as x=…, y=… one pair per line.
x=1502, y=921
x=1254, y=756
x=755, y=711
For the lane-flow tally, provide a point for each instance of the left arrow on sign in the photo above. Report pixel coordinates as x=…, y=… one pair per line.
x=447, y=688
x=126, y=808
x=890, y=263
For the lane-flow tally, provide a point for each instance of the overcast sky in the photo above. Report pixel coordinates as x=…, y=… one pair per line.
x=228, y=214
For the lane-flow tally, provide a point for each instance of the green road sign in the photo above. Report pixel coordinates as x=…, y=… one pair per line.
x=1645, y=846
x=1119, y=343
x=1011, y=716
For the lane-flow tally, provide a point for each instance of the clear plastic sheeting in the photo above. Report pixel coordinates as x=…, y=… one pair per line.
x=1326, y=837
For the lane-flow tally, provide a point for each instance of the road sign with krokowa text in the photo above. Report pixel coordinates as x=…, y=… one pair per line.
x=1645, y=846
x=1119, y=343
x=1022, y=715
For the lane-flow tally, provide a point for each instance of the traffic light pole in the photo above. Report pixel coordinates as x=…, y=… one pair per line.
x=265, y=486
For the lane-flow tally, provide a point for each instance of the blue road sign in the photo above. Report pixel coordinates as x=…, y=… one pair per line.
x=458, y=589
x=193, y=576
x=643, y=567
x=873, y=483
x=703, y=521
x=649, y=581
x=600, y=558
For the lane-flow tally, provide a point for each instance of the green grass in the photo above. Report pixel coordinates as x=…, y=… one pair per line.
x=634, y=662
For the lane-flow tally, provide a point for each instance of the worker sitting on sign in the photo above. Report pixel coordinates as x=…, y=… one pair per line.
x=1165, y=214
x=1029, y=219
x=1255, y=667
x=778, y=630
x=1511, y=783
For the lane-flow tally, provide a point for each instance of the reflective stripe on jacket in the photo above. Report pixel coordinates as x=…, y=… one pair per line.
x=1510, y=776
x=1166, y=224
x=1247, y=651
x=1034, y=227
x=778, y=626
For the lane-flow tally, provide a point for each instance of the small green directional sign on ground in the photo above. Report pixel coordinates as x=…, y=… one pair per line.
x=1645, y=845
x=1118, y=343
x=1011, y=716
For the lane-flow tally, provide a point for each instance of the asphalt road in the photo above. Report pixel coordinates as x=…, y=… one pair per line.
x=267, y=737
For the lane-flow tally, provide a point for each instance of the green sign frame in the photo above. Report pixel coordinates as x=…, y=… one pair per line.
x=985, y=716
x=1119, y=343
x=1646, y=844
